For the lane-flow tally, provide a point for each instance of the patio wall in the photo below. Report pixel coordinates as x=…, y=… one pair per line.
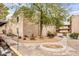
x=31, y=28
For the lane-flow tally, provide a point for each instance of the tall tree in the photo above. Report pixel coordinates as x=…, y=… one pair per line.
x=45, y=14
x=50, y=14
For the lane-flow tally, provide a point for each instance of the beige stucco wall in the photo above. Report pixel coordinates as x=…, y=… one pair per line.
x=12, y=27
x=48, y=28
x=31, y=28
x=75, y=23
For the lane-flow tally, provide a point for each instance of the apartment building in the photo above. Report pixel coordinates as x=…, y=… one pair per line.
x=75, y=23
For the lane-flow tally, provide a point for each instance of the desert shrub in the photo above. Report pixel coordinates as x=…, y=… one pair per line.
x=74, y=35
x=50, y=34
x=24, y=38
x=11, y=34
x=19, y=37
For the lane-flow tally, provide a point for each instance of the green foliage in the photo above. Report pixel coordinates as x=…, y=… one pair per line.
x=74, y=35
x=58, y=14
x=52, y=14
x=50, y=34
x=44, y=14
x=3, y=11
x=25, y=11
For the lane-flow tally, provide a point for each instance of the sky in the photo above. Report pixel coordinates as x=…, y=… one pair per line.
x=73, y=8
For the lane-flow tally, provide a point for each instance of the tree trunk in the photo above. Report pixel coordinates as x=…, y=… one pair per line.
x=41, y=26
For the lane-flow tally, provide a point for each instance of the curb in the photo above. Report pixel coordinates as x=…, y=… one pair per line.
x=15, y=51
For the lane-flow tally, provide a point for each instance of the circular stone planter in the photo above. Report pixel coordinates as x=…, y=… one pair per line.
x=56, y=47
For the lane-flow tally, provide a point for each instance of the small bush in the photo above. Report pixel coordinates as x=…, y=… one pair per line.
x=50, y=34
x=74, y=35
x=19, y=37
x=11, y=34
x=24, y=38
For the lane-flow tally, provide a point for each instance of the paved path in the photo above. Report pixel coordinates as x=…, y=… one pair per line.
x=33, y=49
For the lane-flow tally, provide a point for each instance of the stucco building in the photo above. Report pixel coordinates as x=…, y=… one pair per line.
x=75, y=23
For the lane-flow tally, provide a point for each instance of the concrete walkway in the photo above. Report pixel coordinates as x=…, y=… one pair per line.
x=33, y=49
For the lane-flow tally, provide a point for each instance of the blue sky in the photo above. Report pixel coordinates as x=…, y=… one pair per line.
x=74, y=7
